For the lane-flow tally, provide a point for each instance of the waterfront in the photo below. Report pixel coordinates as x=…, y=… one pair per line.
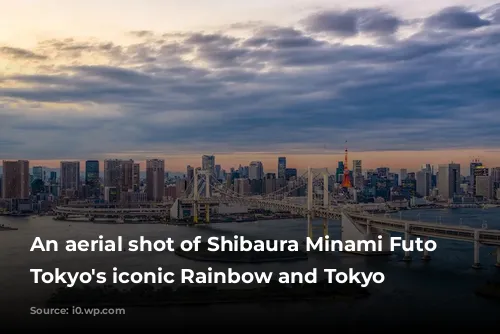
x=447, y=282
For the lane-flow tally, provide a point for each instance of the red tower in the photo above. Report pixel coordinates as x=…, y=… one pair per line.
x=346, y=183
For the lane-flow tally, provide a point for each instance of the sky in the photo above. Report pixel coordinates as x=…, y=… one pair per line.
x=403, y=82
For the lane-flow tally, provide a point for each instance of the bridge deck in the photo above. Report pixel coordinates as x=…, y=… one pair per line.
x=454, y=232
x=465, y=233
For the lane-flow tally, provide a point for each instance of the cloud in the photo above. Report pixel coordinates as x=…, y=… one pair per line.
x=353, y=22
x=280, y=88
x=456, y=18
x=19, y=53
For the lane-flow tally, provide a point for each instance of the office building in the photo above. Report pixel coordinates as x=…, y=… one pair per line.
x=478, y=171
x=473, y=165
x=255, y=170
x=16, y=179
x=357, y=172
x=281, y=167
x=449, y=180
x=424, y=180
x=70, y=177
x=137, y=177
x=92, y=177
x=403, y=174
x=155, y=179
x=126, y=176
x=38, y=173
x=112, y=172
x=484, y=187
x=208, y=163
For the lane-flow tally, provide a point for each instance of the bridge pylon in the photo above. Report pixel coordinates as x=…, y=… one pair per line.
x=326, y=202
x=310, y=181
x=196, y=194
x=207, y=195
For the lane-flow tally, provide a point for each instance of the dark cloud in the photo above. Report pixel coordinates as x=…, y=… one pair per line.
x=279, y=89
x=209, y=39
x=20, y=53
x=352, y=22
x=142, y=33
x=456, y=18
x=280, y=37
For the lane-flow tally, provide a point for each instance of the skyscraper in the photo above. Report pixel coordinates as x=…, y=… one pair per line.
x=137, y=177
x=16, y=179
x=403, y=174
x=38, y=173
x=357, y=173
x=473, y=165
x=112, y=172
x=92, y=177
x=427, y=168
x=484, y=186
x=449, y=180
x=155, y=179
x=424, y=182
x=126, y=175
x=478, y=171
x=189, y=173
x=495, y=174
x=208, y=163
x=281, y=167
x=218, y=170
x=70, y=176
x=255, y=170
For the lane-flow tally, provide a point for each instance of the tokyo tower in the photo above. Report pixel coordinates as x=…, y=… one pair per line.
x=346, y=183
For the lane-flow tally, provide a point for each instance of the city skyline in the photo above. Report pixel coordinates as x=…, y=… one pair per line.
x=270, y=162
x=403, y=84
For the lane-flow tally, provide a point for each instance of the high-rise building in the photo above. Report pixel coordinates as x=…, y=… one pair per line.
x=484, y=186
x=427, y=168
x=16, y=179
x=495, y=174
x=270, y=183
x=449, y=180
x=136, y=177
x=281, y=167
x=478, y=171
x=70, y=176
x=126, y=175
x=424, y=182
x=290, y=173
x=208, y=163
x=155, y=179
x=357, y=167
x=357, y=173
x=218, y=170
x=255, y=170
x=38, y=173
x=403, y=174
x=242, y=186
x=383, y=172
x=473, y=165
x=92, y=177
x=112, y=172
x=189, y=173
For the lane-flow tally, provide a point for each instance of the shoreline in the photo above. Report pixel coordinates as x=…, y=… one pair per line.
x=8, y=228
